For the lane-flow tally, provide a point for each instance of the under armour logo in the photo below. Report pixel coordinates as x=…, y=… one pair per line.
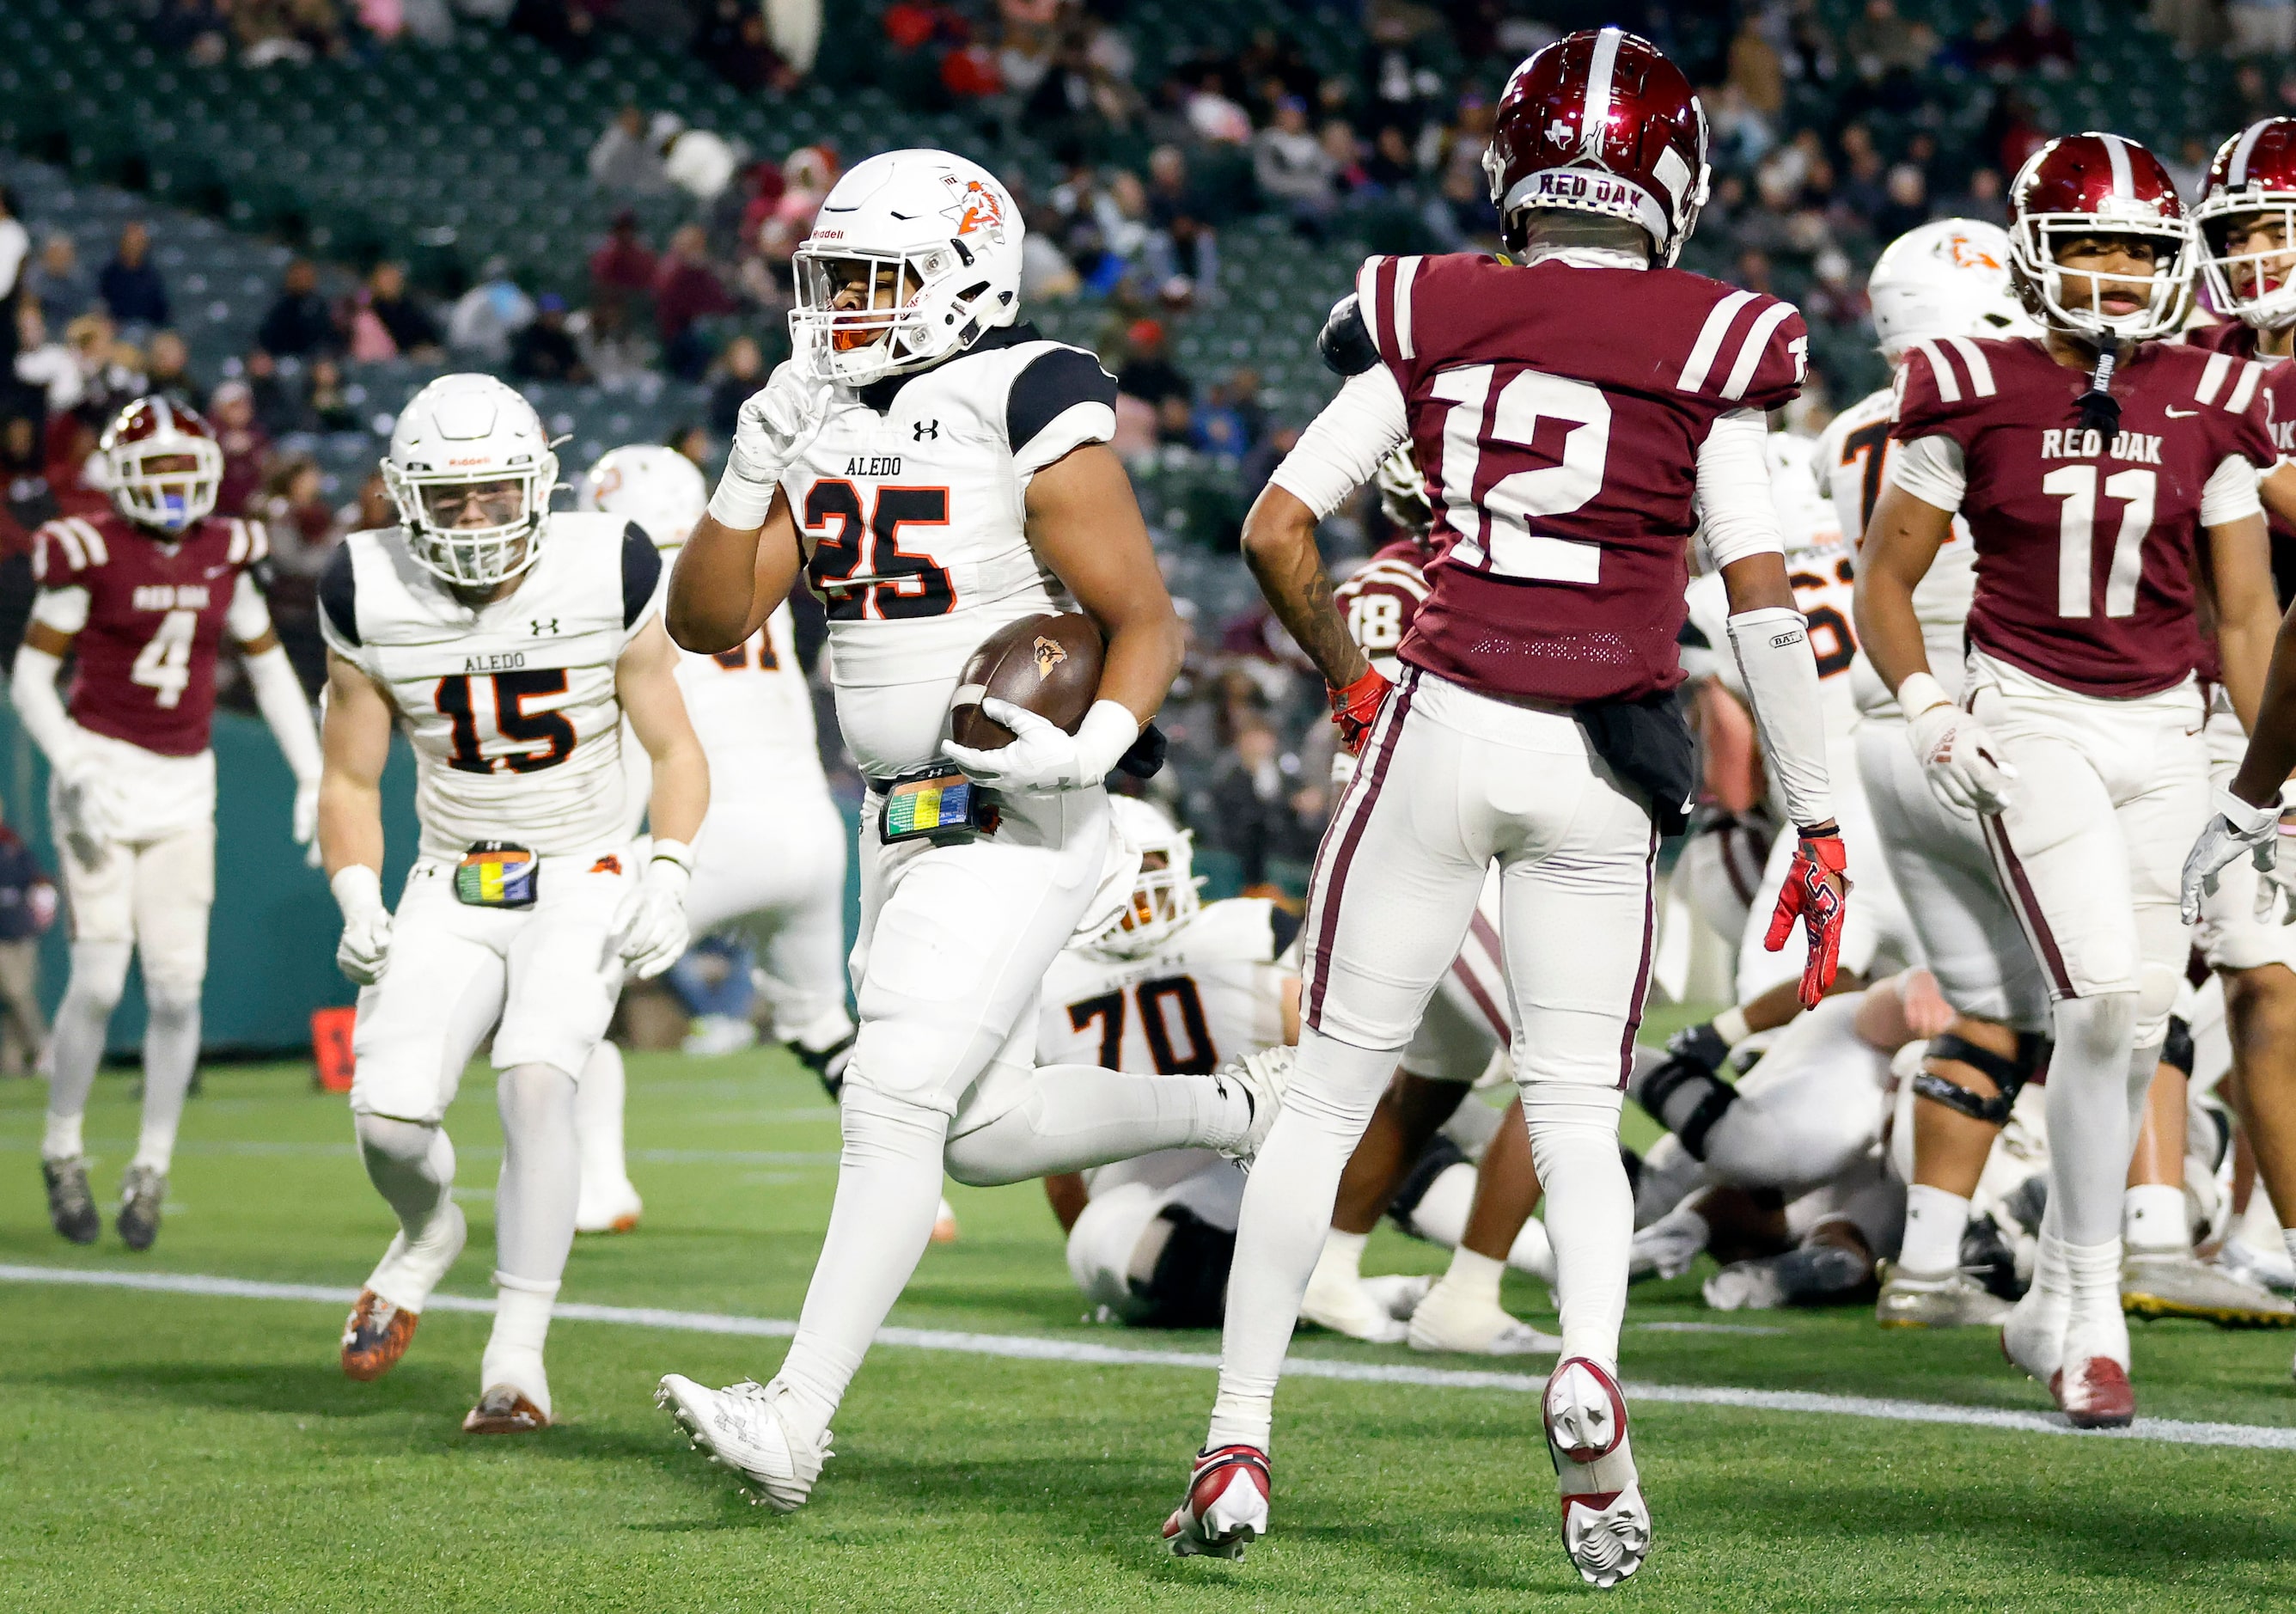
x=922, y=429
x=542, y=626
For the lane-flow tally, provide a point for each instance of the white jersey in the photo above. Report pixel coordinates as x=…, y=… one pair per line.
x=1853, y=457
x=753, y=713
x=910, y=506
x=1213, y=991
x=512, y=707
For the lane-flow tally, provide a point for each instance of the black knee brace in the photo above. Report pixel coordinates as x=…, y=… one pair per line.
x=2010, y=1075
x=1655, y=1092
x=1439, y=1157
x=2177, y=1049
x=1189, y=1286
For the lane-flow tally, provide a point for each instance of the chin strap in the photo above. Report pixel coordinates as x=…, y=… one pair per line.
x=2100, y=411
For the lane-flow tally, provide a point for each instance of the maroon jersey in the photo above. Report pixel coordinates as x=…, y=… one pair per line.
x=1381, y=600
x=2239, y=341
x=1558, y=412
x=2086, y=547
x=146, y=659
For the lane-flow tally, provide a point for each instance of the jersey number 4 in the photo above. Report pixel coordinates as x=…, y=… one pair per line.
x=551, y=730
x=858, y=564
x=1179, y=992
x=164, y=664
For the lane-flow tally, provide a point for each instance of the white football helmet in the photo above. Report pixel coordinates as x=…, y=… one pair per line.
x=1164, y=895
x=1949, y=277
x=658, y=488
x=913, y=255
x=1805, y=517
x=1403, y=491
x=468, y=442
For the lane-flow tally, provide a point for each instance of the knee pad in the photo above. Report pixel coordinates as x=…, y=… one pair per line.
x=2177, y=1045
x=404, y=1143
x=2156, y=996
x=99, y=973
x=1653, y=1090
x=1187, y=1287
x=2009, y=1074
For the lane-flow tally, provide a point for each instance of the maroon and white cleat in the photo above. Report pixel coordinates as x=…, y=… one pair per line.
x=1606, y=1524
x=1226, y=1507
x=2095, y=1394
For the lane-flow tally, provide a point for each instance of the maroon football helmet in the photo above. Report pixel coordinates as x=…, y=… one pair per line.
x=2252, y=182
x=162, y=464
x=1600, y=122
x=2097, y=184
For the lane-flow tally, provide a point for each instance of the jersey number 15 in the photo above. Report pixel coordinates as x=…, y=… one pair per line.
x=550, y=730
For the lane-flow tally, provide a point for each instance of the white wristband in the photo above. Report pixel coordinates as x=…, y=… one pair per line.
x=1105, y=734
x=1919, y=693
x=359, y=891
x=675, y=852
x=740, y=504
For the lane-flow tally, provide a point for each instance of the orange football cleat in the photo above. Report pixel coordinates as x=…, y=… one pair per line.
x=376, y=1336
x=504, y=1411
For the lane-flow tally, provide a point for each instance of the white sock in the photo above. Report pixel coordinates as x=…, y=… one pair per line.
x=1474, y=1277
x=1076, y=1117
x=62, y=1140
x=1935, y=1220
x=1342, y=1257
x=412, y=1166
x=2152, y=1218
x=1533, y=1252
x=99, y=971
x=2094, y=1273
x=1590, y=1209
x=598, y=1102
x=1731, y=1027
x=514, y=1354
x=2088, y=1110
x=171, y=1058
x=541, y=1181
x=888, y=1195
x=1287, y=1213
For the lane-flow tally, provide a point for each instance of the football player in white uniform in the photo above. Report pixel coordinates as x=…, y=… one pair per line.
x=142, y=597
x=1167, y=986
x=938, y=473
x=771, y=855
x=511, y=644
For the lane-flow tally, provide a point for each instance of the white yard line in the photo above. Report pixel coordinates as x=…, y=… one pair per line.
x=1024, y=1348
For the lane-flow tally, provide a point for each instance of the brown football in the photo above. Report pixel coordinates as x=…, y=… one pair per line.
x=1049, y=665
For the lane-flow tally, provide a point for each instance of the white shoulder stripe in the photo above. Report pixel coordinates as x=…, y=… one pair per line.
x=1407, y=269
x=91, y=535
x=2251, y=374
x=1949, y=385
x=236, y=553
x=2212, y=378
x=1751, y=352
x=75, y=556
x=1979, y=368
x=1710, y=341
x=1367, y=299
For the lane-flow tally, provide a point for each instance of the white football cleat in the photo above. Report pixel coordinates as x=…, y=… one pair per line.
x=1344, y=1302
x=714, y=1033
x=1263, y=1076
x=740, y=1427
x=2266, y=1268
x=1947, y=1299
x=2177, y=1284
x=611, y=1208
x=2033, y=1334
x=1606, y=1524
x=1399, y=1294
x=1226, y=1508
x=1449, y=1319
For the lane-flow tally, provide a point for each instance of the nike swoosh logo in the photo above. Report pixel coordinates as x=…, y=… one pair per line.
x=2175, y=414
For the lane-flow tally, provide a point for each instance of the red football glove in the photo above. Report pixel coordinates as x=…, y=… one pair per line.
x=1808, y=896
x=1356, y=707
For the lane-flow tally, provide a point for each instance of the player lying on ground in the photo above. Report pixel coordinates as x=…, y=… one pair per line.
x=2092, y=466
x=141, y=598
x=940, y=473
x=1533, y=725
x=770, y=857
x=511, y=644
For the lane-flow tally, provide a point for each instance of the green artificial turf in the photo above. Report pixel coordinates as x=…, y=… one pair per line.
x=179, y=1452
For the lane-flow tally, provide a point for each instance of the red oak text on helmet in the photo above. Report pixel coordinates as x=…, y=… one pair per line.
x=1600, y=122
x=2099, y=186
x=162, y=464
x=2252, y=182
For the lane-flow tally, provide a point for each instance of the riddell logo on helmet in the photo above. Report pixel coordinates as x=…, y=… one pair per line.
x=479, y=460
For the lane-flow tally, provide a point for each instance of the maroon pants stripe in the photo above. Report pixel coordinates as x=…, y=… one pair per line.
x=2011, y=870
x=1641, y=974
x=1340, y=840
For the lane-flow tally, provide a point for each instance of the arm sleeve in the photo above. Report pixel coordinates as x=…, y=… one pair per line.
x=1931, y=469
x=1343, y=445
x=32, y=688
x=2230, y=493
x=279, y=697
x=65, y=609
x=247, y=617
x=1772, y=645
x=1063, y=400
x=1740, y=517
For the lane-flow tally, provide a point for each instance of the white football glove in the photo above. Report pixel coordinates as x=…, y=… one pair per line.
x=1966, y=765
x=775, y=424
x=650, y=927
x=365, y=946
x=1044, y=759
x=84, y=804
x=304, y=825
x=2235, y=827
